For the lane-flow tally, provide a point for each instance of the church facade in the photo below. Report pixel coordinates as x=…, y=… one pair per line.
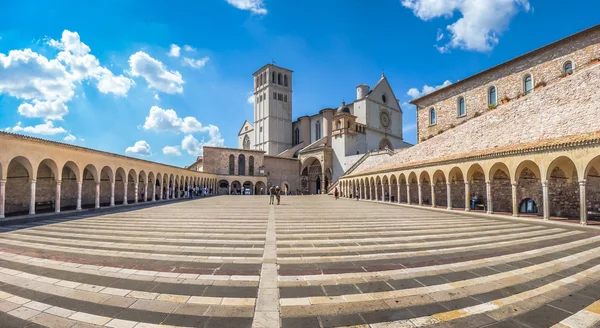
x=328, y=142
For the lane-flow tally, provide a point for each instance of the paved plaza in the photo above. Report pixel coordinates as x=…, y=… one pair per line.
x=235, y=261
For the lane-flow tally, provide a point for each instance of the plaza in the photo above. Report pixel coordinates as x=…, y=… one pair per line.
x=313, y=261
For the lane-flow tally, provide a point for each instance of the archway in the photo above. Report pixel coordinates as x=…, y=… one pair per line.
x=223, y=187
x=591, y=184
x=248, y=188
x=311, y=176
x=500, y=189
x=403, y=191
x=385, y=144
x=120, y=185
x=372, y=189
x=142, y=193
x=260, y=188
x=413, y=188
x=457, y=188
x=45, y=187
x=159, y=186
x=151, y=192
x=236, y=188
x=106, y=181
x=131, y=184
x=477, y=187
x=425, y=188
x=440, y=189
x=68, y=187
x=361, y=192
x=18, y=187
x=529, y=187
x=563, y=188
x=88, y=186
x=241, y=164
x=394, y=189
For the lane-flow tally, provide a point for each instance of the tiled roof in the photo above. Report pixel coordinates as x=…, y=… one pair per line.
x=561, y=114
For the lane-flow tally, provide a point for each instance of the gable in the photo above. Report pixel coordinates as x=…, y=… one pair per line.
x=383, y=88
x=246, y=127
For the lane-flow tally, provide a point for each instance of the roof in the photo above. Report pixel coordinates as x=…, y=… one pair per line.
x=271, y=65
x=506, y=63
x=244, y=132
x=548, y=117
x=236, y=149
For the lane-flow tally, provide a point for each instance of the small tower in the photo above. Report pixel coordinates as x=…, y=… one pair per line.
x=272, y=109
x=344, y=123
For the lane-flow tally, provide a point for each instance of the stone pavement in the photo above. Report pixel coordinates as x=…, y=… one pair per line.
x=235, y=261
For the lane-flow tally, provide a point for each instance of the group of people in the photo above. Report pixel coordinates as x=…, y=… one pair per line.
x=274, y=192
x=197, y=191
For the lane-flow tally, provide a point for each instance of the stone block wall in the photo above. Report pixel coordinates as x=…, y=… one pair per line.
x=544, y=64
x=216, y=160
x=279, y=170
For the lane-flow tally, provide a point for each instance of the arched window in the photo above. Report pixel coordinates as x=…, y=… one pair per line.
x=338, y=125
x=432, y=117
x=318, y=130
x=527, y=84
x=462, y=111
x=273, y=79
x=231, y=164
x=528, y=206
x=279, y=78
x=246, y=142
x=285, y=82
x=242, y=165
x=568, y=67
x=492, y=100
x=251, y=165
x=296, y=136
x=385, y=144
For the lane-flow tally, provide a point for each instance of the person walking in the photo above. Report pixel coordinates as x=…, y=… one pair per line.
x=278, y=194
x=336, y=193
x=357, y=195
x=272, y=195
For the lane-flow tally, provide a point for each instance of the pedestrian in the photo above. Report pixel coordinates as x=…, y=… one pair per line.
x=357, y=195
x=336, y=193
x=272, y=195
x=190, y=193
x=278, y=194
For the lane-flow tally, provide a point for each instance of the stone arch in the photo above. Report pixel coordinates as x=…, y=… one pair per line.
x=385, y=143
x=403, y=192
x=223, y=187
x=47, y=174
x=236, y=187
x=361, y=188
x=106, y=182
x=385, y=189
x=132, y=183
x=591, y=183
x=120, y=185
x=260, y=188
x=500, y=189
x=70, y=175
x=457, y=188
x=19, y=174
x=563, y=188
x=251, y=165
x=426, y=195
x=372, y=189
x=158, y=183
x=241, y=164
x=151, y=192
x=231, y=164
x=440, y=189
x=527, y=179
x=378, y=188
x=312, y=175
x=413, y=188
x=248, y=187
x=89, y=178
x=394, y=189
x=142, y=179
x=476, y=178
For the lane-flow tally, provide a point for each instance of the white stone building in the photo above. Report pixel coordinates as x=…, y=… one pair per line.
x=329, y=142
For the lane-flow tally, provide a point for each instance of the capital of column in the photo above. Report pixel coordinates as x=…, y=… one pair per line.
x=2, y=181
x=59, y=182
x=582, y=183
x=97, y=183
x=545, y=183
x=488, y=182
x=33, y=181
x=448, y=183
x=514, y=184
x=467, y=183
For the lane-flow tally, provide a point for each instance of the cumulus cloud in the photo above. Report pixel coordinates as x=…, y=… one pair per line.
x=195, y=63
x=188, y=48
x=171, y=150
x=481, y=23
x=46, y=128
x=194, y=147
x=155, y=73
x=51, y=110
x=167, y=120
x=250, y=100
x=156, y=97
x=70, y=138
x=415, y=93
x=255, y=6
x=141, y=148
x=175, y=50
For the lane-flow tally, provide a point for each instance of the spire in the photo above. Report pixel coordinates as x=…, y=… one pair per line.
x=382, y=74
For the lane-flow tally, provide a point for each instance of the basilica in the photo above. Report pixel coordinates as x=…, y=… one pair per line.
x=328, y=142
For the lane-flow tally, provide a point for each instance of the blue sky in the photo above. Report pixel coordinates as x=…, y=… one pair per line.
x=106, y=75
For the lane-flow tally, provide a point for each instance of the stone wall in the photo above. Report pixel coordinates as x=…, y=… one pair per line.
x=280, y=170
x=216, y=160
x=441, y=198
x=545, y=65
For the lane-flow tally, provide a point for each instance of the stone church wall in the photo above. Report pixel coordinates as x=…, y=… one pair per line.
x=545, y=65
x=279, y=170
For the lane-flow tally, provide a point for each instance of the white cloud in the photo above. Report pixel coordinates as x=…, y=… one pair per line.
x=83, y=65
x=255, y=6
x=70, y=138
x=440, y=35
x=45, y=129
x=195, y=63
x=415, y=93
x=155, y=73
x=250, y=100
x=156, y=97
x=175, y=50
x=51, y=110
x=171, y=150
x=191, y=145
x=188, y=48
x=480, y=26
x=141, y=148
x=167, y=120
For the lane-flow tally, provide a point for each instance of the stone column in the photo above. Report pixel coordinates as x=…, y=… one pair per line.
x=125, y=183
x=408, y=193
x=399, y=186
x=488, y=193
x=2, y=197
x=515, y=205
x=79, y=185
x=582, y=203
x=32, y=198
x=420, y=194
x=376, y=192
x=112, y=194
x=98, y=194
x=390, y=193
x=57, y=200
x=161, y=191
x=449, y=195
x=432, y=194
x=137, y=193
x=154, y=191
x=467, y=196
x=323, y=186
x=546, y=199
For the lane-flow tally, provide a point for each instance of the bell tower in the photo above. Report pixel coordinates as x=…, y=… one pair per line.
x=272, y=109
